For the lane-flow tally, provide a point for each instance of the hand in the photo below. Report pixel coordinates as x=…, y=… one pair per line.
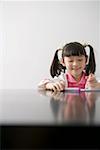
x=56, y=86
x=91, y=98
x=91, y=81
x=58, y=96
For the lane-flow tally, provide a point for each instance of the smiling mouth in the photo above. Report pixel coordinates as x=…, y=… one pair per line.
x=76, y=69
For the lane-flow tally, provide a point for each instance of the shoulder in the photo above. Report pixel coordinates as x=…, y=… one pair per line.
x=62, y=76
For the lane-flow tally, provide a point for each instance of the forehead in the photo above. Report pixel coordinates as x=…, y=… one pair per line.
x=75, y=57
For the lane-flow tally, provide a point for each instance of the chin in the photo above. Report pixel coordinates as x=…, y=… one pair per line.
x=76, y=74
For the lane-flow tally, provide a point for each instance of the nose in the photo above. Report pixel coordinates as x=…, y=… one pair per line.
x=75, y=63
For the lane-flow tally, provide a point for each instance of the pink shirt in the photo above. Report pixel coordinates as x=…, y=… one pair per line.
x=73, y=83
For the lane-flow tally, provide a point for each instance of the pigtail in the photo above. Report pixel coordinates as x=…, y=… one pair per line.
x=56, y=67
x=91, y=66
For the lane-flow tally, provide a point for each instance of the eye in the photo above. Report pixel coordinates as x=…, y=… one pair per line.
x=80, y=59
x=70, y=61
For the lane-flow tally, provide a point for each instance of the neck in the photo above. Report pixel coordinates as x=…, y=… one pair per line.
x=77, y=77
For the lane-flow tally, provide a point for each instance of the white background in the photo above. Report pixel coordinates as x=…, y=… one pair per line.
x=31, y=31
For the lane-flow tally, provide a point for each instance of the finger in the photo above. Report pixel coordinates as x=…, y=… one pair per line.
x=91, y=85
x=57, y=86
x=60, y=86
x=91, y=78
x=90, y=75
x=62, y=82
x=54, y=88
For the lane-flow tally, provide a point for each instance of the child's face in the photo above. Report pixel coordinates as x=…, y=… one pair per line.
x=75, y=65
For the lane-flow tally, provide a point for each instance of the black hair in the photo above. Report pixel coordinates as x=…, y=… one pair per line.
x=73, y=49
x=56, y=67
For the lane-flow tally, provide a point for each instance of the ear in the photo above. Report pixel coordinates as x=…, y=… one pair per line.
x=62, y=62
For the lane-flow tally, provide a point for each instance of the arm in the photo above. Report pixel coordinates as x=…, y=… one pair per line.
x=56, y=84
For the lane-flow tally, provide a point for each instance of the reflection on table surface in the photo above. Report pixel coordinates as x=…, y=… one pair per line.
x=35, y=107
x=32, y=119
x=77, y=108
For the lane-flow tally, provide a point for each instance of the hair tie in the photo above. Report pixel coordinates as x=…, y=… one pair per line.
x=59, y=54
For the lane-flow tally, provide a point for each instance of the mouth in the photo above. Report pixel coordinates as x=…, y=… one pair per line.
x=76, y=69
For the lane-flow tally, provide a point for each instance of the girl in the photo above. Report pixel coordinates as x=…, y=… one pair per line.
x=72, y=69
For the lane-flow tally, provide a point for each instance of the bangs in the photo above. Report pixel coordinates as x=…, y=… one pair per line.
x=73, y=49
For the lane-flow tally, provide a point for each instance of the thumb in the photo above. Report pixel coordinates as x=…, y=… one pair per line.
x=91, y=77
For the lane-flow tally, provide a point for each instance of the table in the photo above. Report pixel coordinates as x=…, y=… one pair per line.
x=33, y=118
x=34, y=107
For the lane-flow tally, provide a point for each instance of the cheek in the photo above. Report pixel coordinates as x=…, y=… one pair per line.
x=84, y=65
x=69, y=66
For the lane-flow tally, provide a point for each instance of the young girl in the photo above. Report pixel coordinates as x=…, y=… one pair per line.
x=73, y=69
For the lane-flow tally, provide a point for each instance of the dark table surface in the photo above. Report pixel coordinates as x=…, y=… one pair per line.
x=34, y=107
x=32, y=119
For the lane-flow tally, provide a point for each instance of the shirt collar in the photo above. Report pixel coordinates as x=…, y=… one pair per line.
x=71, y=79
